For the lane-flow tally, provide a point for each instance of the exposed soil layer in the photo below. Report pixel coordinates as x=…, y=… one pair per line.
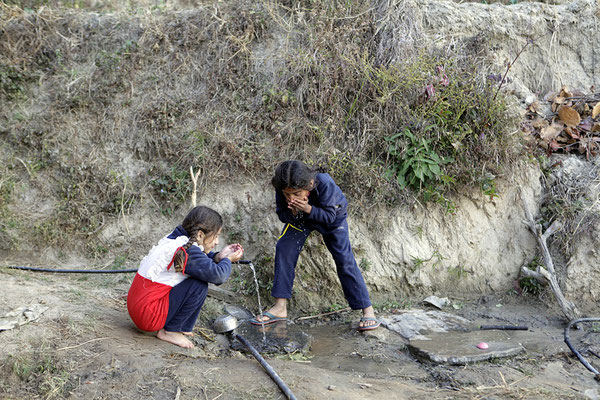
x=85, y=347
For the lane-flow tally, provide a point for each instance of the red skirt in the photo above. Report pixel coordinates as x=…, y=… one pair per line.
x=148, y=303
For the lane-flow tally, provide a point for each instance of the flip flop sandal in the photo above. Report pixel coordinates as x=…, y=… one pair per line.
x=369, y=327
x=272, y=319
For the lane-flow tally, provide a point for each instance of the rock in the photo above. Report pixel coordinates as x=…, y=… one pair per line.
x=437, y=302
x=459, y=348
x=412, y=323
x=591, y=394
x=241, y=313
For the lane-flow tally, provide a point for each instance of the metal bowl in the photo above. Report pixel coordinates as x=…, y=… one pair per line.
x=225, y=323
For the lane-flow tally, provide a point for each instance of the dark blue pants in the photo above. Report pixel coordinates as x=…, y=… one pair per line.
x=185, y=301
x=337, y=240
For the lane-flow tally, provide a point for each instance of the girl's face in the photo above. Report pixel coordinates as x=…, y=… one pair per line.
x=210, y=241
x=291, y=194
x=300, y=194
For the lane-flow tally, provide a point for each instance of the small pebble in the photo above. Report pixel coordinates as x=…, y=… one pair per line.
x=330, y=387
x=482, y=346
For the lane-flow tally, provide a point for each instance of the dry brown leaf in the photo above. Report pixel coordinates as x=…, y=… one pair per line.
x=569, y=116
x=554, y=145
x=534, y=107
x=586, y=124
x=551, y=132
x=596, y=110
x=564, y=92
x=558, y=100
x=596, y=127
x=573, y=132
x=563, y=139
x=539, y=123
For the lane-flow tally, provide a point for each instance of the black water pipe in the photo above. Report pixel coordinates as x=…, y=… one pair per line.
x=88, y=271
x=72, y=271
x=579, y=356
x=267, y=367
x=504, y=327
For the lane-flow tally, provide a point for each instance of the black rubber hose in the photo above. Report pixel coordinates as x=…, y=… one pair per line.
x=579, y=356
x=504, y=327
x=267, y=368
x=88, y=271
x=73, y=271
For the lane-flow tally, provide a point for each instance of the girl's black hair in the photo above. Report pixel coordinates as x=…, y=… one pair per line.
x=202, y=219
x=293, y=174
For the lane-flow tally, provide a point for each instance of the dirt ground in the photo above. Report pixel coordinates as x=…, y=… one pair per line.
x=84, y=346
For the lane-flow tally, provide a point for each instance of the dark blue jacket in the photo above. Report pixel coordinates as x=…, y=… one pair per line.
x=201, y=265
x=329, y=205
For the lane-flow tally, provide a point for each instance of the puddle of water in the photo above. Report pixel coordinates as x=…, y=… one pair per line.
x=281, y=338
x=339, y=349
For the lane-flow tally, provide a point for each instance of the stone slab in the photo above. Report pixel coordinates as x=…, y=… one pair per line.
x=459, y=348
x=416, y=324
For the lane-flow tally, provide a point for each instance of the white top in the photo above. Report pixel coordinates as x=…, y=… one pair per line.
x=154, y=265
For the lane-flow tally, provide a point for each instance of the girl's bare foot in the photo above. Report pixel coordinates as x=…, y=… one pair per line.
x=190, y=334
x=278, y=310
x=175, y=338
x=368, y=312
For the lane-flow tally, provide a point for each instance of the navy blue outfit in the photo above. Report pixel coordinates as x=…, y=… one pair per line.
x=186, y=298
x=328, y=217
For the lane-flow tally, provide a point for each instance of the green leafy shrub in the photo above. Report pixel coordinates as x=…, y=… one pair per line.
x=416, y=165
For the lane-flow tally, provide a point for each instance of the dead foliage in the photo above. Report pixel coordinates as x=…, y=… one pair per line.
x=567, y=121
x=563, y=123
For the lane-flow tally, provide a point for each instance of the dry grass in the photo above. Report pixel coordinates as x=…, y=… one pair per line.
x=573, y=199
x=104, y=107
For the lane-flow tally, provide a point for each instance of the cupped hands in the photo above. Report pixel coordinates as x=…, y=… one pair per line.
x=233, y=251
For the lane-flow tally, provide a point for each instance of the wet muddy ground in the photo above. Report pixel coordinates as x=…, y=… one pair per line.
x=85, y=347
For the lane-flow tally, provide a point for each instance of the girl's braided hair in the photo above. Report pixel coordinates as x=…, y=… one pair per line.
x=293, y=174
x=199, y=219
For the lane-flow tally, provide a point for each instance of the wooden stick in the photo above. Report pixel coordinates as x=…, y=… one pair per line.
x=547, y=274
x=195, y=182
x=81, y=344
x=324, y=314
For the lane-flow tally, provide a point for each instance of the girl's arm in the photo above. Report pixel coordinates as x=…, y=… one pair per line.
x=329, y=200
x=201, y=266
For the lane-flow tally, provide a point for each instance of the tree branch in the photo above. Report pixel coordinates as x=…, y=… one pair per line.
x=195, y=182
x=547, y=275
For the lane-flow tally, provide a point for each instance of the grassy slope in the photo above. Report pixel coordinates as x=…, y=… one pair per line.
x=104, y=108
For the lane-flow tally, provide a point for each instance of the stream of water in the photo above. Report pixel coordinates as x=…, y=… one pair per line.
x=258, y=297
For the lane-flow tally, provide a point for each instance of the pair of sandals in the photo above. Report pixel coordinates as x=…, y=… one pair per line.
x=273, y=319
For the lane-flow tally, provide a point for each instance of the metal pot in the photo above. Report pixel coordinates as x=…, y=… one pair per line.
x=225, y=323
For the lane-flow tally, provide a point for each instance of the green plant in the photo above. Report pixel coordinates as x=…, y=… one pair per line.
x=173, y=188
x=458, y=272
x=12, y=82
x=488, y=186
x=530, y=285
x=335, y=307
x=415, y=162
x=42, y=371
x=418, y=262
x=365, y=264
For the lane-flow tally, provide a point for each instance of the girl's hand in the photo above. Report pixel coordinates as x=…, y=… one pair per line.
x=233, y=251
x=300, y=204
